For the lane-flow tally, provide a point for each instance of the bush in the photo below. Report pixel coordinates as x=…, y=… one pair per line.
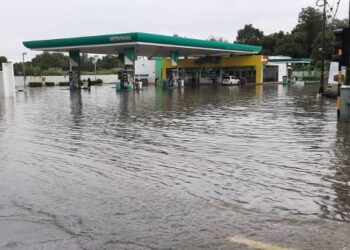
x=311, y=78
x=98, y=81
x=35, y=84
x=53, y=73
x=49, y=84
x=63, y=84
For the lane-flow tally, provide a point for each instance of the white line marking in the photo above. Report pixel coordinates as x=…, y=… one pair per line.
x=256, y=244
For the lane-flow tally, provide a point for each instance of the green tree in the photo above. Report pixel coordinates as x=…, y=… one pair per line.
x=310, y=25
x=334, y=24
x=3, y=59
x=270, y=41
x=108, y=62
x=317, y=46
x=17, y=68
x=48, y=60
x=217, y=39
x=290, y=45
x=87, y=63
x=250, y=35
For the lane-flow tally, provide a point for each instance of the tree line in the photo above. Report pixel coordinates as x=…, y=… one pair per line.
x=56, y=63
x=304, y=41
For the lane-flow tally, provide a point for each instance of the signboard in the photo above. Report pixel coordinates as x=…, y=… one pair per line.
x=333, y=73
x=129, y=56
x=174, y=56
x=120, y=38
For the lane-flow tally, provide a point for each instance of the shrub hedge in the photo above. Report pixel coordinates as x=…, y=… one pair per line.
x=35, y=84
x=98, y=81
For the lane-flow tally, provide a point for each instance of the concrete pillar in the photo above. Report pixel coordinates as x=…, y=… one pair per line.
x=7, y=81
x=128, y=57
x=259, y=73
x=345, y=103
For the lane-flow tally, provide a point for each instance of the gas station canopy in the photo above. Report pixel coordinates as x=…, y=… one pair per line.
x=144, y=44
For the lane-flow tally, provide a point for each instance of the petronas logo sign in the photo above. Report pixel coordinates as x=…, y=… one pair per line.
x=120, y=38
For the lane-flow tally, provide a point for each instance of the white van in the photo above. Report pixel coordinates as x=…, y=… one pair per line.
x=230, y=80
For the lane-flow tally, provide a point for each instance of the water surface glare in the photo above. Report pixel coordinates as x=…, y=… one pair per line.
x=180, y=169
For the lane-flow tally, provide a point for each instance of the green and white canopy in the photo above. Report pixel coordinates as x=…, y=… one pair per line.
x=144, y=44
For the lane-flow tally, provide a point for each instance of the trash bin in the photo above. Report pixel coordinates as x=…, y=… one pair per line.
x=138, y=85
x=144, y=82
x=285, y=79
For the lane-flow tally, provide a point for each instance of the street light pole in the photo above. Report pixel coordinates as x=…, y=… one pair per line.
x=24, y=71
x=321, y=90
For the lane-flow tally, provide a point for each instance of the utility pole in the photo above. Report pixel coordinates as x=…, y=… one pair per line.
x=321, y=90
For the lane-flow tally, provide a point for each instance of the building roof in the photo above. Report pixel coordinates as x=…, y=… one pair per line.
x=145, y=44
x=289, y=60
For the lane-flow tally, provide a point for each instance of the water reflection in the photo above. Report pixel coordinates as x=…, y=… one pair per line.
x=341, y=178
x=281, y=91
x=76, y=106
x=7, y=108
x=259, y=91
x=143, y=163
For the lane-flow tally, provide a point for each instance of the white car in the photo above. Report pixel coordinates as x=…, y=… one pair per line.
x=230, y=80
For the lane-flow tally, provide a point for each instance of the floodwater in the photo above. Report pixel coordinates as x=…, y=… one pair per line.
x=181, y=169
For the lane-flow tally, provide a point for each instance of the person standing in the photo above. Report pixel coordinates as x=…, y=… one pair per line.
x=89, y=83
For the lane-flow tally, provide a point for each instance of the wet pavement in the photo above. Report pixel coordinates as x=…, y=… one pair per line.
x=180, y=169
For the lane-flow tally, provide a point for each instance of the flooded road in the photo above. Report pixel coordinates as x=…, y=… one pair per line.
x=182, y=169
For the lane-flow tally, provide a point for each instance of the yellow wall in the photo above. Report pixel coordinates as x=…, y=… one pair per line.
x=254, y=60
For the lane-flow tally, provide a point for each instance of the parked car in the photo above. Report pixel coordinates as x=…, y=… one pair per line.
x=230, y=80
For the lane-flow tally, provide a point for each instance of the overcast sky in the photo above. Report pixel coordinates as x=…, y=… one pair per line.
x=22, y=20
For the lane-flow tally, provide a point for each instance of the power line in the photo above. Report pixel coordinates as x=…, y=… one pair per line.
x=321, y=3
x=336, y=10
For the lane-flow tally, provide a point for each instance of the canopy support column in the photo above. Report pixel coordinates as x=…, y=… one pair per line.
x=128, y=58
x=74, y=70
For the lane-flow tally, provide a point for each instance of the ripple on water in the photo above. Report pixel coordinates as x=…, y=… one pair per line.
x=278, y=152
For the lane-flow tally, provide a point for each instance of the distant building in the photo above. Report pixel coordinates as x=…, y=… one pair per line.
x=276, y=67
